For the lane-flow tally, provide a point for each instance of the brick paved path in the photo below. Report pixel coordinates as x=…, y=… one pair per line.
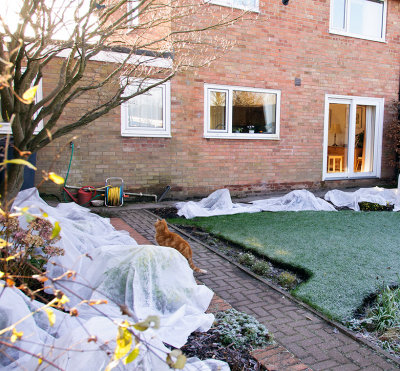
x=310, y=338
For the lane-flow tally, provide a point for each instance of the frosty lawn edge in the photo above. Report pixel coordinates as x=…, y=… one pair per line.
x=348, y=254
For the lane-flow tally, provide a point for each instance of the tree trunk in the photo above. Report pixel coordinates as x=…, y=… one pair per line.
x=15, y=179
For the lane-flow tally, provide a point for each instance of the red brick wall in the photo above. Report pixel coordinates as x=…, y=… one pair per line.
x=280, y=43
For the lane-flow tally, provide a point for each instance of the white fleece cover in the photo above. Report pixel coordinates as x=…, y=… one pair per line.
x=220, y=203
x=381, y=196
x=299, y=200
x=217, y=203
x=109, y=265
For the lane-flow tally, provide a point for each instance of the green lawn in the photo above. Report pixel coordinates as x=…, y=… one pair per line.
x=348, y=254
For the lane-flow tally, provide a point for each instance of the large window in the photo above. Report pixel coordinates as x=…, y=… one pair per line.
x=353, y=137
x=251, y=5
x=359, y=18
x=237, y=112
x=148, y=114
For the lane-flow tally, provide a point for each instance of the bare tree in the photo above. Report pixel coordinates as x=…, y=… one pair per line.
x=152, y=38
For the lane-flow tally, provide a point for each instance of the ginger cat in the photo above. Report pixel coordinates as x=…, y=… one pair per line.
x=165, y=237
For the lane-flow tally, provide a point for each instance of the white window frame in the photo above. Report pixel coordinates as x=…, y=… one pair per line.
x=345, y=32
x=165, y=131
x=227, y=133
x=379, y=104
x=6, y=126
x=133, y=19
x=231, y=4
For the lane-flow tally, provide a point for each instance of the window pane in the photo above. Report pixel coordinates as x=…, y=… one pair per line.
x=247, y=4
x=338, y=137
x=253, y=112
x=364, y=139
x=338, y=15
x=146, y=110
x=217, y=110
x=366, y=18
x=133, y=19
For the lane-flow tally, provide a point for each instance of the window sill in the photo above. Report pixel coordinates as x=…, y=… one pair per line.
x=146, y=135
x=336, y=177
x=347, y=34
x=6, y=128
x=222, y=3
x=242, y=136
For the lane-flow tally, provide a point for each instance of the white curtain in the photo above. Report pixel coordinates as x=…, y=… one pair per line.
x=269, y=112
x=146, y=110
x=369, y=139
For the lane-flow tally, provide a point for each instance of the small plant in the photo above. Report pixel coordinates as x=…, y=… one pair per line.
x=27, y=249
x=246, y=259
x=287, y=279
x=261, y=267
x=240, y=330
x=385, y=314
x=370, y=206
x=383, y=319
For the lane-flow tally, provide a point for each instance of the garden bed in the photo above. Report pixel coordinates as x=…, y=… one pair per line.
x=205, y=345
x=231, y=339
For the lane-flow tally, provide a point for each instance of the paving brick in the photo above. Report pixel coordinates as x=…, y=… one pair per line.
x=309, y=341
x=293, y=338
x=298, y=367
x=346, y=367
x=338, y=356
x=325, y=365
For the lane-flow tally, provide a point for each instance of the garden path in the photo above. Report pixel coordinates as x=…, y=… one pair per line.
x=317, y=342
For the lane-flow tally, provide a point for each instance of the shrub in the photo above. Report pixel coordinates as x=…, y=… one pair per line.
x=370, y=206
x=261, y=267
x=246, y=259
x=385, y=314
x=287, y=279
x=241, y=330
x=28, y=249
x=383, y=318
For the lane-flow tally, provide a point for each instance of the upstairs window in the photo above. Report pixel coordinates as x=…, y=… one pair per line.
x=251, y=5
x=365, y=19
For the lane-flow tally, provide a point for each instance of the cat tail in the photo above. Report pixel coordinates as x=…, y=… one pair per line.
x=196, y=269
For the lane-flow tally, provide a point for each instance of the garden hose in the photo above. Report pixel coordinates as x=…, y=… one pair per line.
x=114, y=195
x=66, y=177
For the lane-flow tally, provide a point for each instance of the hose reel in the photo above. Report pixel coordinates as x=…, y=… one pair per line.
x=114, y=192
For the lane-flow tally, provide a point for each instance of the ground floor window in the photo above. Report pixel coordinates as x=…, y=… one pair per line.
x=239, y=112
x=148, y=114
x=353, y=137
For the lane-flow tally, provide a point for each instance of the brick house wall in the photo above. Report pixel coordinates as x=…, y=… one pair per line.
x=279, y=44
